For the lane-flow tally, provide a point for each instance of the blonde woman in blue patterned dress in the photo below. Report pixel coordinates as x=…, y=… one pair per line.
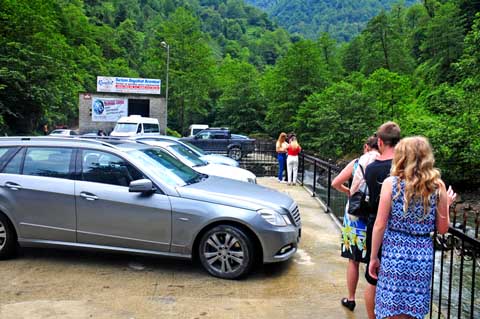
x=354, y=230
x=413, y=202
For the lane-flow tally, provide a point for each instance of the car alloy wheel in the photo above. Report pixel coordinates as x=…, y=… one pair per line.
x=235, y=153
x=3, y=236
x=226, y=252
x=7, y=238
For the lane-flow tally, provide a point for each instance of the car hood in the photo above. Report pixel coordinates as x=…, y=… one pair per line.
x=238, y=194
x=219, y=159
x=227, y=172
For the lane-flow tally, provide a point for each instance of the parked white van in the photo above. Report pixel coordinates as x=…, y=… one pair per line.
x=195, y=128
x=136, y=125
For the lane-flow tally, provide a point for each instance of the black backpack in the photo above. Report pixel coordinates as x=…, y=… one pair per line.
x=358, y=203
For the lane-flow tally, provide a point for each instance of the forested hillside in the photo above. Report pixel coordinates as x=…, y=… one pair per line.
x=50, y=50
x=230, y=65
x=418, y=66
x=342, y=19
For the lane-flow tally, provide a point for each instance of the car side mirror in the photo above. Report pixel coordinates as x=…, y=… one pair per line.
x=141, y=186
x=196, y=137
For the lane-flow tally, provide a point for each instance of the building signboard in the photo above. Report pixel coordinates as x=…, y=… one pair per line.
x=128, y=85
x=108, y=109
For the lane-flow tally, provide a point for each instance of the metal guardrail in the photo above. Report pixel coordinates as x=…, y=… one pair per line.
x=455, y=289
x=456, y=281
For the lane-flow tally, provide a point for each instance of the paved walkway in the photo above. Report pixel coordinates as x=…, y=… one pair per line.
x=48, y=284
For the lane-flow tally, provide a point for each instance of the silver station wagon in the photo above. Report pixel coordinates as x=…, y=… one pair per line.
x=129, y=197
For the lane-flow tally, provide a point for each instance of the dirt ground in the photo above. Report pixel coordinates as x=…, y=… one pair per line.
x=51, y=284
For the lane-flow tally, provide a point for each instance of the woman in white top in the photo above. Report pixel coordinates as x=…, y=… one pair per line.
x=354, y=229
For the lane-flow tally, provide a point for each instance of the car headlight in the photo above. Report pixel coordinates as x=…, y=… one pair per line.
x=274, y=217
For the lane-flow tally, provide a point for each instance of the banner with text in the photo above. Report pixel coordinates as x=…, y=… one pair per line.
x=108, y=110
x=128, y=85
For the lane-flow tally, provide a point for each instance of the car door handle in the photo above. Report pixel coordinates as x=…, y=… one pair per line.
x=88, y=196
x=13, y=186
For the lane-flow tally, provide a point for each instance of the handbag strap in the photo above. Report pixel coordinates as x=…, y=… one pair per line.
x=361, y=169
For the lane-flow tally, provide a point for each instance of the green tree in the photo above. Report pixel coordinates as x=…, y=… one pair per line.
x=388, y=92
x=443, y=44
x=297, y=75
x=38, y=79
x=329, y=53
x=240, y=105
x=130, y=41
x=336, y=122
x=191, y=68
x=384, y=47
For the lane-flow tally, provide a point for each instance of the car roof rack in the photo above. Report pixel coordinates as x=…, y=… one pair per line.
x=77, y=138
x=215, y=128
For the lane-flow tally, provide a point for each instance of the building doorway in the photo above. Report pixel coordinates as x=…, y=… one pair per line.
x=139, y=107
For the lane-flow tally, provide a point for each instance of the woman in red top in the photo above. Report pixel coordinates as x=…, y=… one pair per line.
x=292, y=160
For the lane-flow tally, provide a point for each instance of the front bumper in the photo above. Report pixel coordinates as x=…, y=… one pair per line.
x=280, y=243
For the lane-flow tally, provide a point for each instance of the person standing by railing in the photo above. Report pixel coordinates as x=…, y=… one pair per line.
x=388, y=135
x=413, y=203
x=293, y=149
x=354, y=228
x=281, y=149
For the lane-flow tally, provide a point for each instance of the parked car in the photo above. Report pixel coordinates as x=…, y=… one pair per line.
x=63, y=132
x=130, y=197
x=204, y=156
x=136, y=125
x=191, y=159
x=195, y=128
x=220, y=140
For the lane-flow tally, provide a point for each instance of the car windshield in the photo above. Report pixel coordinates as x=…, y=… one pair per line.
x=59, y=132
x=196, y=149
x=166, y=167
x=187, y=154
x=126, y=127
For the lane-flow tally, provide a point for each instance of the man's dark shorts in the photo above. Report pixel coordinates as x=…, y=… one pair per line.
x=370, y=223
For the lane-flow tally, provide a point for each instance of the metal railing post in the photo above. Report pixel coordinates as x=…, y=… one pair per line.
x=314, y=178
x=329, y=185
x=303, y=168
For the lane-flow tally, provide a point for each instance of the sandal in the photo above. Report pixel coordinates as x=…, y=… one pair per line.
x=350, y=304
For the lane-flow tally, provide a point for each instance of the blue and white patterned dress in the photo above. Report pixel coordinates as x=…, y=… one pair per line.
x=354, y=234
x=406, y=267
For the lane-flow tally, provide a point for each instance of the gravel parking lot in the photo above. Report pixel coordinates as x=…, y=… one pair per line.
x=45, y=283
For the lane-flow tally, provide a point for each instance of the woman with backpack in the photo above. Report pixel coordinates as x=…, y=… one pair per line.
x=413, y=203
x=354, y=230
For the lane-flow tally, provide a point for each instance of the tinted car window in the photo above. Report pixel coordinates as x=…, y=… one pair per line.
x=106, y=168
x=126, y=127
x=3, y=151
x=166, y=167
x=187, y=154
x=5, y=154
x=150, y=128
x=48, y=162
x=219, y=135
x=204, y=135
x=15, y=164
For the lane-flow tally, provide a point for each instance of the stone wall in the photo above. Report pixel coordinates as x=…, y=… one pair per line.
x=86, y=125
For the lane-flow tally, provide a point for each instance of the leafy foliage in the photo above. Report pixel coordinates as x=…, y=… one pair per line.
x=342, y=19
x=51, y=50
x=230, y=65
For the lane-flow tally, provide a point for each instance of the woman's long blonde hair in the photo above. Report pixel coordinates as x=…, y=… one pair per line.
x=413, y=162
x=281, y=139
